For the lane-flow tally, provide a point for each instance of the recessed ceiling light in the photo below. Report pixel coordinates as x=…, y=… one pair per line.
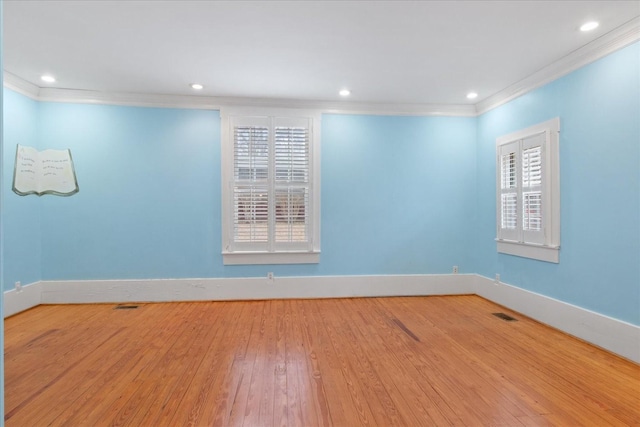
x=589, y=26
x=345, y=92
x=47, y=78
x=472, y=95
x=197, y=86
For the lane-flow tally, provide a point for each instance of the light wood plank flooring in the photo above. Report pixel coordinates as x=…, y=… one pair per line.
x=411, y=361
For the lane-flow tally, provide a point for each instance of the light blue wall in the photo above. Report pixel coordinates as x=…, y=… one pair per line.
x=397, y=194
x=148, y=205
x=149, y=200
x=599, y=110
x=21, y=235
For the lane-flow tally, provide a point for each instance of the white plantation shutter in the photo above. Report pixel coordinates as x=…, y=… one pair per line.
x=508, y=166
x=292, y=225
x=251, y=219
x=250, y=186
x=271, y=186
x=292, y=180
x=509, y=211
x=250, y=153
x=532, y=189
x=532, y=211
x=292, y=154
x=509, y=206
x=532, y=167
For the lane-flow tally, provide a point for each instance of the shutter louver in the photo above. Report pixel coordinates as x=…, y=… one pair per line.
x=508, y=199
x=251, y=220
x=250, y=191
x=292, y=154
x=291, y=215
x=532, y=167
x=292, y=184
x=531, y=184
x=251, y=153
x=509, y=204
x=509, y=213
x=509, y=171
x=532, y=211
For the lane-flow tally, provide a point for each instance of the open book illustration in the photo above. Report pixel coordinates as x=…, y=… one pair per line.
x=44, y=172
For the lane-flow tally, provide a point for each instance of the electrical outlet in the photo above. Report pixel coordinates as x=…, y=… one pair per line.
x=455, y=269
x=18, y=287
x=497, y=279
x=270, y=276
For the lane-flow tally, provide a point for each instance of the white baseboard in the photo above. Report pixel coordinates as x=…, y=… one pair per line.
x=614, y=335
x=166, y=290
x=611, y=334
x=26, y=298
x=159, y=290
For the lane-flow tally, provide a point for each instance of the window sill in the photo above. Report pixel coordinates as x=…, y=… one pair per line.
x=528, y=250
x=264, y=258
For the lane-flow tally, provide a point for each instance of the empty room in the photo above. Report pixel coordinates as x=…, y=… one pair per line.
x=320, y=213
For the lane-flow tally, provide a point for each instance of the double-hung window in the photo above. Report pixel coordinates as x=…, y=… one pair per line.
x=270, y=186
x=528, y=192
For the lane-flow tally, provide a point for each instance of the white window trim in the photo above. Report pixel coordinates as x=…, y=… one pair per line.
x=230, y=257
x=549, y=250
x=265, y=258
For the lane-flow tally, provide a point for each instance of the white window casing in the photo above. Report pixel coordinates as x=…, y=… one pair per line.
x=270, y=186
x=528, y=192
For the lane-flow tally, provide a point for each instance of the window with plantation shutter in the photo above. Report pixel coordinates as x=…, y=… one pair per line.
x=270, y=187
x=528, y=192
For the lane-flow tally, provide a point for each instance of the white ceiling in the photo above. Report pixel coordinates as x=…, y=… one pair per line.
x=392, y=52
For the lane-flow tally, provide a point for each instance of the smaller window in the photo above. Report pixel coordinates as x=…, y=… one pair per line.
x=528, y=192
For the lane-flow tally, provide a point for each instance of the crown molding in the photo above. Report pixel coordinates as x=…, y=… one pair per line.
x=599, y=48
x=604, y=45
x=46, y=94
x=21, y=86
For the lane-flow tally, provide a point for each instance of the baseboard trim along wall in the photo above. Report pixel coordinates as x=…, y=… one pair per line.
x=611, y=334
x=27, y=297
x=253, y=288
x=619, y=337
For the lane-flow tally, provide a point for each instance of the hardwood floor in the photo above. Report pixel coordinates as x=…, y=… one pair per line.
x=411, y=361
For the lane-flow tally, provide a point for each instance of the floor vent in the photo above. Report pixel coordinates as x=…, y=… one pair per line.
x=126, y=307
x=505, y=317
